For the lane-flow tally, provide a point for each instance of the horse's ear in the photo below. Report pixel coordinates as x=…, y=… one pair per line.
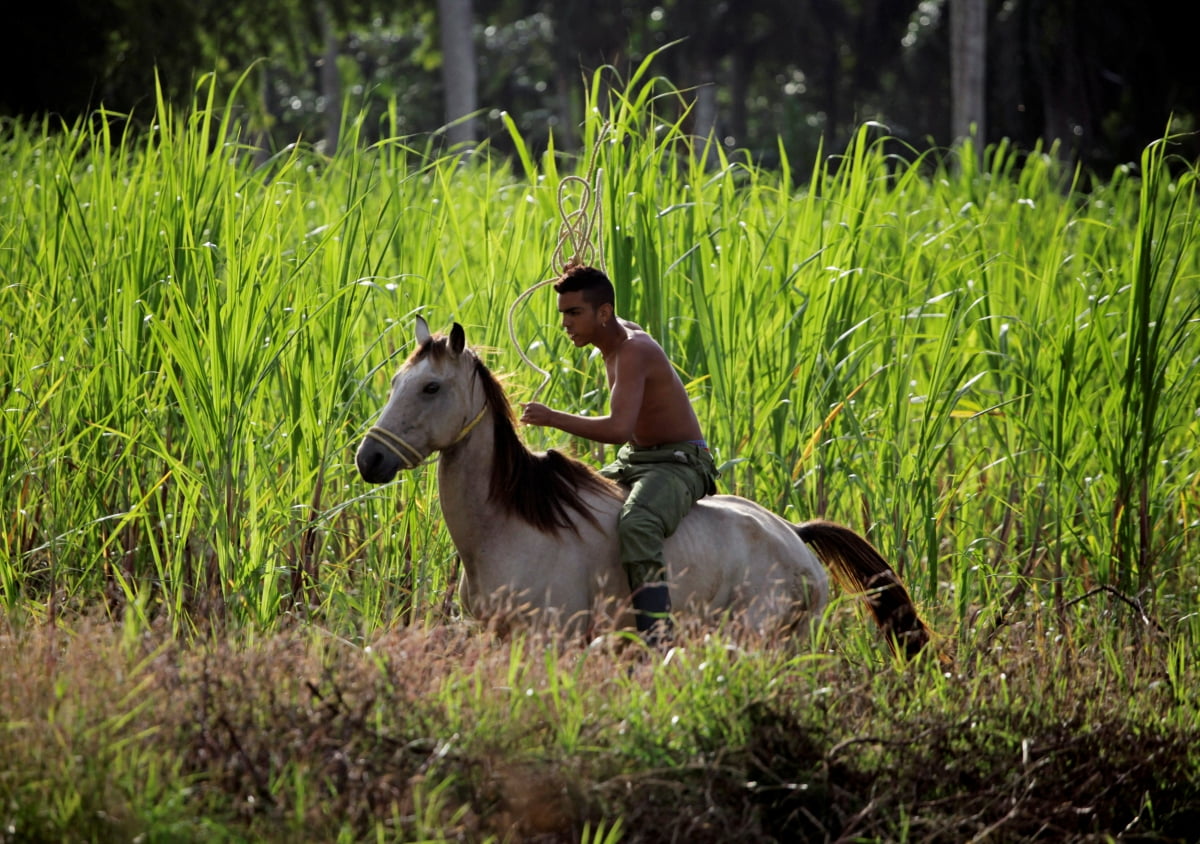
x=423, y=334
x=458, y=339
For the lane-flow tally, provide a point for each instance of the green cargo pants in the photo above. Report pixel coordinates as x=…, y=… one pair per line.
x=664, y=482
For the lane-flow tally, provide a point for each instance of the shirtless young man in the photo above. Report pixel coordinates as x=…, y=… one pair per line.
x=663, y=460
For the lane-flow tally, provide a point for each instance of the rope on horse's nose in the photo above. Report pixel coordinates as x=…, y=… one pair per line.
x=394, y=443
x=576, y=230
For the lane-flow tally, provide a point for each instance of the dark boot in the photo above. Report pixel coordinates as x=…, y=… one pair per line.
x=652, y=611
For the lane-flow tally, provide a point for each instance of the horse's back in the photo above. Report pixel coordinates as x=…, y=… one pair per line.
x=731, y=554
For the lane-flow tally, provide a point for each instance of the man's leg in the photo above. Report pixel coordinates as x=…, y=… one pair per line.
x=659, y=498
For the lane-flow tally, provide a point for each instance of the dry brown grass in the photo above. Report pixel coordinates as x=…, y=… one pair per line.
x=297, y=735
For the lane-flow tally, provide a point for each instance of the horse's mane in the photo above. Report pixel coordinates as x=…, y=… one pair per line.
x=543, y=487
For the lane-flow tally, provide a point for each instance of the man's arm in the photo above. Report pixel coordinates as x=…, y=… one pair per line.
x=625, y=402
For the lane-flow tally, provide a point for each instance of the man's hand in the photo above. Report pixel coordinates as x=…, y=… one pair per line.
x=535, y=413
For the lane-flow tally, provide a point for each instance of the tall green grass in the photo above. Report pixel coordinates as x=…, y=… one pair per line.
x=988, y=373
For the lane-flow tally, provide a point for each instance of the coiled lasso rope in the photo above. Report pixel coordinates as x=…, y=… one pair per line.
x=575, y=232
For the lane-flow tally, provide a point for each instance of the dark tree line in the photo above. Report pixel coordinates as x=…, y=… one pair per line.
x=1102, y=80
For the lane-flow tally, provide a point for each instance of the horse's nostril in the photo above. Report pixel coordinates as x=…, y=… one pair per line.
x=368, y=462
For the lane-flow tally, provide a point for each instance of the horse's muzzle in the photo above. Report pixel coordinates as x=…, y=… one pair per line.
x=375, y=463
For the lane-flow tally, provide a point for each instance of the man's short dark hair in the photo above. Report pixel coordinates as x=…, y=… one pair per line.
x=597, y=289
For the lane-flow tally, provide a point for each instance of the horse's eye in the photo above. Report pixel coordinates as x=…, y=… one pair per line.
x=431, y=388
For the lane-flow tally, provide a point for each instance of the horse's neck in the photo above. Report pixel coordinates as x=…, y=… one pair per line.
x=464, y=480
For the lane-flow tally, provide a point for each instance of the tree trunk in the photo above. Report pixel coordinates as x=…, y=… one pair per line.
x=331, y=82
x=1063, y=77
x=739, y=88
x=704, y=113
x=566, y=137
x=968, y=63
x=459, y=74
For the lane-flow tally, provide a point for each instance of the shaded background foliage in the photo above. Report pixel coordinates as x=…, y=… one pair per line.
x=1102, y=85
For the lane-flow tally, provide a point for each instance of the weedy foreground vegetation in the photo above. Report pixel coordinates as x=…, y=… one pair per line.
x=210, y=629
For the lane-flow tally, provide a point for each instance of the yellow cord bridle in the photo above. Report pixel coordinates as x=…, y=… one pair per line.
x=394, y=442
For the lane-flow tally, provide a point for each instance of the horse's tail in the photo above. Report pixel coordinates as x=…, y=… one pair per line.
x=858, y=567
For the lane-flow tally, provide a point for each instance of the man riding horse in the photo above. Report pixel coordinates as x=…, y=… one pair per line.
x=537, y=531
x=664, y=460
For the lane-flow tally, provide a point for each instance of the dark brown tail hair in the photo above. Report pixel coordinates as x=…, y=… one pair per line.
x=859, y=568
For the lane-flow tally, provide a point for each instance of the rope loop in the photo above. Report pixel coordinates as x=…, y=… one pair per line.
x=574, y=233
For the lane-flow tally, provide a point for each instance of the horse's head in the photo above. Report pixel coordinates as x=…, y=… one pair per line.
x=434, y=404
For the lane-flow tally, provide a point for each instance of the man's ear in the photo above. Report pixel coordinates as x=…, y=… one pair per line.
x=605, y=312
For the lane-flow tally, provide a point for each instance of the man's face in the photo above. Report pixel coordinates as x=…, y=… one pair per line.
x=579, y=319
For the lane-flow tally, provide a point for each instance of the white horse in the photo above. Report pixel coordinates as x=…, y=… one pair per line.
x=537, y=531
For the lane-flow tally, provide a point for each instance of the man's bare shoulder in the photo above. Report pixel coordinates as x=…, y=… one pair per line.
x=642, y=345
x=642, y=353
